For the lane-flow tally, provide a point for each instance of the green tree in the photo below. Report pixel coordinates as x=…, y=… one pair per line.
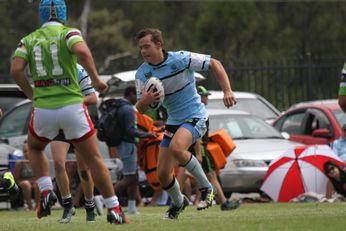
x=15, y=23
x=106, y=29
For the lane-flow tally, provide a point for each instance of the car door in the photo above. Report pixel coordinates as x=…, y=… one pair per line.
x=302, y=126
x=14, y=124
x=292, y=123
x=317, y=127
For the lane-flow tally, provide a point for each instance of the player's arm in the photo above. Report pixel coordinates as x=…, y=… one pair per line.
x=17, y=72
x=81, y=50
x=90, y=99
x=89, y=93
x=329, y=190
x=342, y=102
x=145, y=98
x=221, y=76
x=342, y=90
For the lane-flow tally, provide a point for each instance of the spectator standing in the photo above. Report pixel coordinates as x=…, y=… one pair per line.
x=127, y=150
x=208, y=162
x=51, y=52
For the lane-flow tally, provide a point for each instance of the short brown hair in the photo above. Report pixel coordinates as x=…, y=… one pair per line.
x=156, y=35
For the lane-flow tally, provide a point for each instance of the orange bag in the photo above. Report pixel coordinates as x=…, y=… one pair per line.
x=144, y=122
x=150, y=163
x=151, y=150
x=217, y=154
x=221, y=137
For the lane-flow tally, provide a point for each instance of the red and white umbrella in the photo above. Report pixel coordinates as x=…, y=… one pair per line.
x=298, y=171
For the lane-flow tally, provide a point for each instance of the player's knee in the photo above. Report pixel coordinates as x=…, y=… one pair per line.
x=176, y=150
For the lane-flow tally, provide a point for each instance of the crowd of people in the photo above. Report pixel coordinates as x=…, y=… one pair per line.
x=63, y=88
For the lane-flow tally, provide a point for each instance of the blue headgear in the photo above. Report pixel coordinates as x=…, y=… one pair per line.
x=52, y=10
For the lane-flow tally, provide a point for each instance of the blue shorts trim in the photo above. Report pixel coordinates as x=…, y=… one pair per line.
x=196, y=127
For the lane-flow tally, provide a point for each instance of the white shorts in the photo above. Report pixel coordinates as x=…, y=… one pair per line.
x=73, y=119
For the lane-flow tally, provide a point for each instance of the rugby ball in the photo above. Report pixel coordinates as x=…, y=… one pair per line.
x=158, y=87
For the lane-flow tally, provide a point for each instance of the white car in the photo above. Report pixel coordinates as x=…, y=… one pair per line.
x=257, y=144
x=14, y=130
x=246, y=101
x=118, y=82
x=10, y=94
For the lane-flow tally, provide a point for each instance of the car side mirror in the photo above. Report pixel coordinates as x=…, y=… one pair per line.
x=322, y=132
x=285, y=135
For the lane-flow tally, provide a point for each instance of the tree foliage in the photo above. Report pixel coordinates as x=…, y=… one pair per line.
x=229, y=30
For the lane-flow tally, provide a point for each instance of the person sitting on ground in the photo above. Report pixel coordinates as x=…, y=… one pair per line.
x=337, y=179
x=25, y=178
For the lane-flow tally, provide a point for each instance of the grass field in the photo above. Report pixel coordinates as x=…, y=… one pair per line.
x=249, y=217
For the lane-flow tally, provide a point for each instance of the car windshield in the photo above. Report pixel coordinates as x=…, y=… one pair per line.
x=340, y=116
x=244, y=127
x=6, y=102
x=253, y=106
x=14, y=123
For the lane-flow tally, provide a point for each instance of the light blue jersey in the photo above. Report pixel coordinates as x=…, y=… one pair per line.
x=84, y=81
x=176, y=72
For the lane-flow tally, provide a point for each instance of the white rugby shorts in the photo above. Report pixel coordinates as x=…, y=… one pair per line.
x=73, y=119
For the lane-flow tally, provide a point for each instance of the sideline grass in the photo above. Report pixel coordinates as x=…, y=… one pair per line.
x=249, y=217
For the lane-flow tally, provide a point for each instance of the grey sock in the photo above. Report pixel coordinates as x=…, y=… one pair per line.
x=195, y=168
x=175, y=194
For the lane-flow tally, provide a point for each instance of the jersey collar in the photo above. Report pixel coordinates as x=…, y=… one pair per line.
x=165, y=56
x=52, y=23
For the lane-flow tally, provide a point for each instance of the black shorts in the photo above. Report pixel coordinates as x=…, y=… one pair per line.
x=61, y=137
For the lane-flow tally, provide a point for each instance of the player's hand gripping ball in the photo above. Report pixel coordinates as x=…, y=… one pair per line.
x=158, y=87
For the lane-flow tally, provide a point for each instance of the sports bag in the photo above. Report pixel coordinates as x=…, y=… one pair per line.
x=109, y=127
